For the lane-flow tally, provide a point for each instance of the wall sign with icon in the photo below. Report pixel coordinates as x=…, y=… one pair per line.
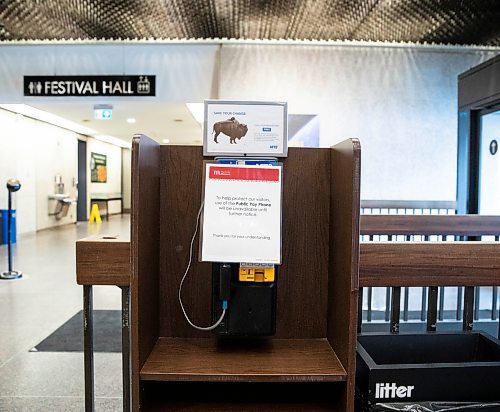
x=57, y=86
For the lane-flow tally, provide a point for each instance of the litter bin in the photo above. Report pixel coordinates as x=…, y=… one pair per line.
x=4, y=216
x=438, y=371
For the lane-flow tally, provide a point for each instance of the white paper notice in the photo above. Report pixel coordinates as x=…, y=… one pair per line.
x=242, y=214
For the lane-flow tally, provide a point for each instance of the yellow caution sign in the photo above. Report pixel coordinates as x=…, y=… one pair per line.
x=94, y=214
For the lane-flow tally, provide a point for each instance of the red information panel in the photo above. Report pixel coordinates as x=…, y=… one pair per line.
x=244, y=173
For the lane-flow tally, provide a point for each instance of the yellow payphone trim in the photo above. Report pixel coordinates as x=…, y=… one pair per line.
x=256, y=274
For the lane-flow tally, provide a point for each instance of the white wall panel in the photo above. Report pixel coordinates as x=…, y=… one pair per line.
x=34, y=152
x=127, y=178
x=56, y=156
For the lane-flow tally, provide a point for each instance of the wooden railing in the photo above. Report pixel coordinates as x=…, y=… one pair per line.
x=104, y=260
x=430, y=264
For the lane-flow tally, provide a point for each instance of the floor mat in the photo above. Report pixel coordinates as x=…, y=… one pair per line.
x=69, y=336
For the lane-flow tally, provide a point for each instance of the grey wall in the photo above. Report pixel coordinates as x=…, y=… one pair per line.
x=184, y=72
x=400, y=102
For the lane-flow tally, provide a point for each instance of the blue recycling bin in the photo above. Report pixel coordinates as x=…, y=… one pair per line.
x=4, y=218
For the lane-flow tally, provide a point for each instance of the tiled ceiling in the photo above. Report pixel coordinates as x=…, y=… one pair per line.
x=465, y=22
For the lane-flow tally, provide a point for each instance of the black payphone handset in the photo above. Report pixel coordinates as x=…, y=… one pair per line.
x=243, y=294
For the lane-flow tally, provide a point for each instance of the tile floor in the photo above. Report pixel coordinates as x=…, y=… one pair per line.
x=33, y=307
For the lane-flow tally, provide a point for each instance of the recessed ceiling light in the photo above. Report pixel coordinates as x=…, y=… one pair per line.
x=131, y=120
x=166, y=140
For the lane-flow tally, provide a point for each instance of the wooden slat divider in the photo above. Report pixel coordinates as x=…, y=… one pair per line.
x=429, y=264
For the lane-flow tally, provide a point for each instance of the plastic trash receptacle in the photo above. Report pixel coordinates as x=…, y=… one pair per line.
x=429, y=372
x=4, y=216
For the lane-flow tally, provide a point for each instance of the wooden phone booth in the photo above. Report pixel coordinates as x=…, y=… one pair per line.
x=309, y=365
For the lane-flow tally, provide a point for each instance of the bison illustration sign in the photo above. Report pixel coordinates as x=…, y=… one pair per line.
x=232, y=128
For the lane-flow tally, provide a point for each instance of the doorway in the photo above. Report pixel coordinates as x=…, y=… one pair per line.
x=489, y=162
x=81, y=205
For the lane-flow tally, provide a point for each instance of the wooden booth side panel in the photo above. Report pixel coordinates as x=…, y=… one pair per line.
x=302, y=279
x=181, y=187
x=344, y=258
x=303, y=276
x=144, y=254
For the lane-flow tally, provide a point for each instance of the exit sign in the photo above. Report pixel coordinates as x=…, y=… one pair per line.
x=105, y=113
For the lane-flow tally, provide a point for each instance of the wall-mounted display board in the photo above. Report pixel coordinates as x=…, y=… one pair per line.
x=98, y=168
x=245, y=128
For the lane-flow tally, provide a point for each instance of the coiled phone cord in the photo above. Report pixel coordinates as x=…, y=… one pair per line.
x=224, y=303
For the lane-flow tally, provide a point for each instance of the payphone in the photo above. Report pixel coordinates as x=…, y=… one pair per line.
x=244, y=294
x=250, y=290
x=241, y=220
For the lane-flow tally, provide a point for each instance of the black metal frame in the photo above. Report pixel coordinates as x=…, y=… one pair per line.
x=88, y=347
x=432, y=304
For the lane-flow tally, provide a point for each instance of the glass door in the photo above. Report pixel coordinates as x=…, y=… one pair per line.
x=489, y=160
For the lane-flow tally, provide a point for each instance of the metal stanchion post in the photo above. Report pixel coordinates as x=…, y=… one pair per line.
x=13, y=185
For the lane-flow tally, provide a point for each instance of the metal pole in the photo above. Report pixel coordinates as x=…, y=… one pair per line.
x=468, y=320
x=10, y=274
x=9, y=233
x=406, y=303
x=88, y=347
x=370, y=298
x=395, y=309
x=432, y=309
x=126, y=348
x=360, y=309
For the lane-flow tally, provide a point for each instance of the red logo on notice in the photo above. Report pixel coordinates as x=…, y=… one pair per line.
x=244, y=173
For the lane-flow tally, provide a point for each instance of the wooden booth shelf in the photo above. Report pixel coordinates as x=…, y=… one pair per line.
x=310, y=362
x=231, y=397
x=268, y=360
